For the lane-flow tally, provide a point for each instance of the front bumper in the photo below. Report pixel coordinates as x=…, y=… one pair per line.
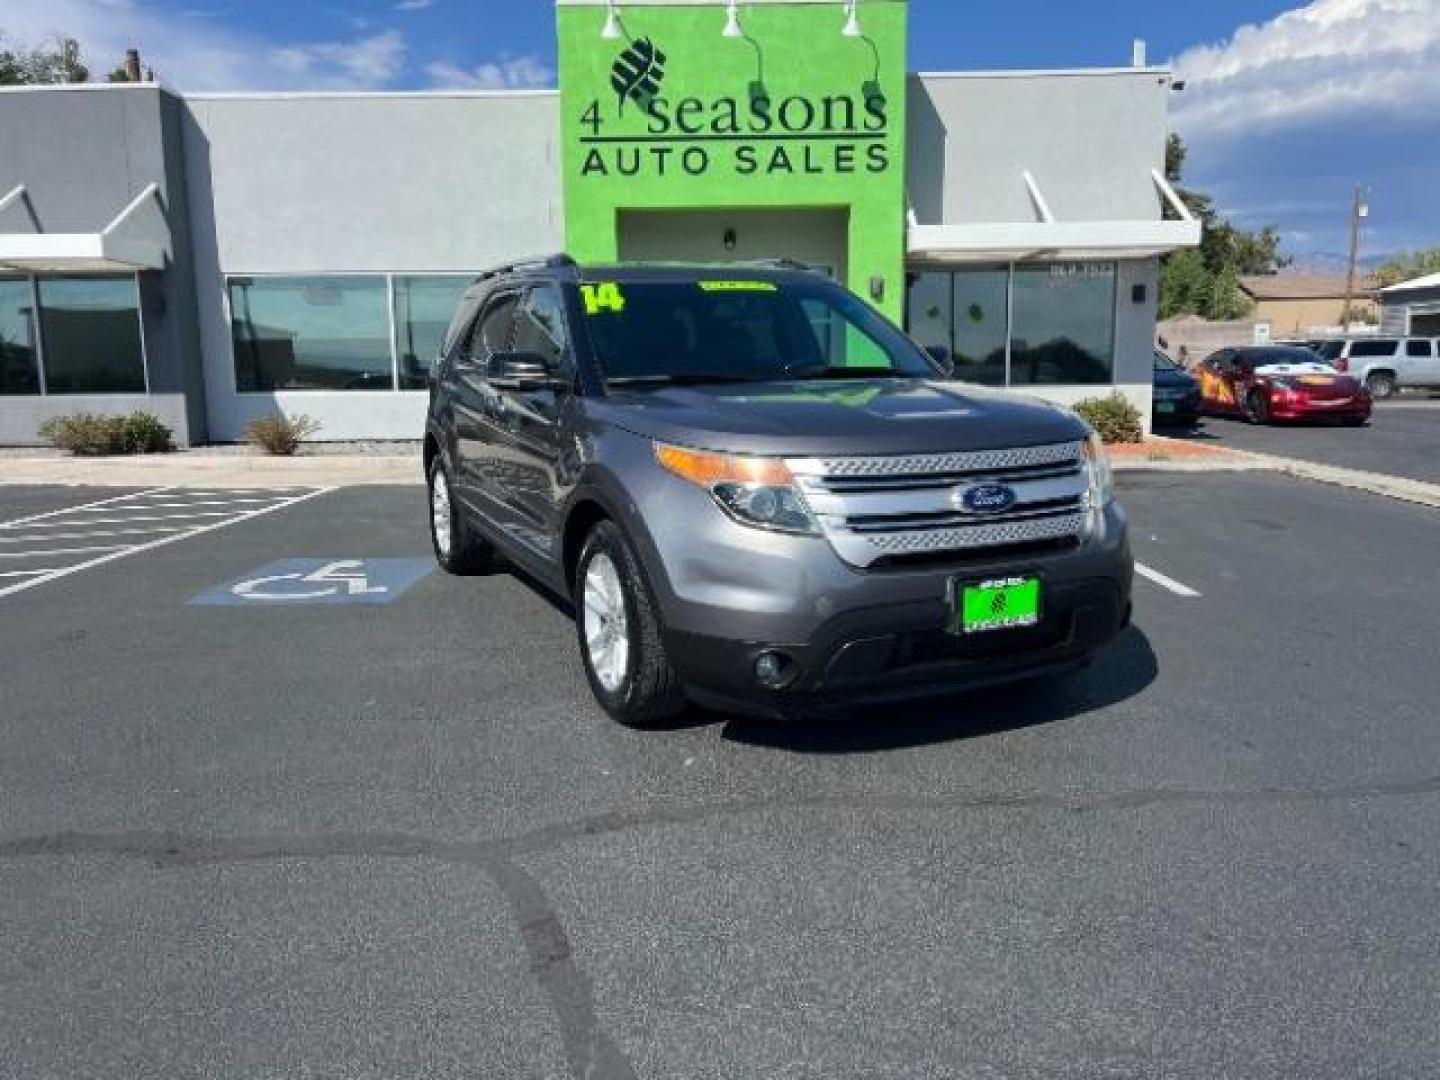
x=1175, y=411
x=854, y=635
x=1303, y=409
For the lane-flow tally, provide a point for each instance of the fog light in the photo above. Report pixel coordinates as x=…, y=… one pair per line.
x=773, y=669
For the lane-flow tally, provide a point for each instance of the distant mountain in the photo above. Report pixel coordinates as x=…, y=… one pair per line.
x=1333, y=262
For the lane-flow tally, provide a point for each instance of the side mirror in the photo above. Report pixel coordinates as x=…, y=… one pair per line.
x=520, y=371
x=941, y=355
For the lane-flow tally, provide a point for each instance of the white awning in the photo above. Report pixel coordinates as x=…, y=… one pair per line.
x=138, y=238
x=983, y=241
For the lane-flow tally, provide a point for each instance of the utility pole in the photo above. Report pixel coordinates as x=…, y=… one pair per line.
x=1358, y=210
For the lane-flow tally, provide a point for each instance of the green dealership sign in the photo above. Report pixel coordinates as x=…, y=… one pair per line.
x=673, y=114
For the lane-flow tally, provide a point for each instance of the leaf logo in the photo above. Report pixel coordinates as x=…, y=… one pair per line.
x=638, y=72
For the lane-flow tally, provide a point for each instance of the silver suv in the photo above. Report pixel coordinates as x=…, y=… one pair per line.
x=759, y=494
x=1386, y=364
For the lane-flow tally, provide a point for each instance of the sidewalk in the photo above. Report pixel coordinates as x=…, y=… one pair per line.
x=222, y=467
x=229, y=467
x=238, y=467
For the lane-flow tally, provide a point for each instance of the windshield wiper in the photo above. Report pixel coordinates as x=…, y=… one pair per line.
x=681, y=379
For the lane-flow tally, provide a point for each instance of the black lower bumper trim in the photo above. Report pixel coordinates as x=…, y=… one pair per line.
x=900, y=652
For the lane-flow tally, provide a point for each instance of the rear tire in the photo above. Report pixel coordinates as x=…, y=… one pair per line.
x=458, y=548
x=622, y=642
x=1381, y=385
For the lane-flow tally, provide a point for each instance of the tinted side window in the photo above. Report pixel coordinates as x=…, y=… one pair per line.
x=492, y=331
x=1374, y=348
x=1417, y=348
x=540, y=326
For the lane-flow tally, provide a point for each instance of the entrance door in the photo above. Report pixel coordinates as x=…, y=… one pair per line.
x=815, y=237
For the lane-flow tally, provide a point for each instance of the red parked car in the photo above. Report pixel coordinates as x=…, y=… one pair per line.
x=1279, y=382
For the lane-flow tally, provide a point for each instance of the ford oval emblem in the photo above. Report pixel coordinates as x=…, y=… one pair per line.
x=987, y=498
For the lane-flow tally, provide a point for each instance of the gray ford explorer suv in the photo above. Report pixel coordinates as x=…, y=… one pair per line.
x=759, y=494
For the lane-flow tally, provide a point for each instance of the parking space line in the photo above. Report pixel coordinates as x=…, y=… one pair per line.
x=1179, y=588
x=59, y=551
x=111, y=556
x=82, y=506
x=96, y=532
x=190, y=503
x=24, y=573
x=174, y=505
x=131, y=518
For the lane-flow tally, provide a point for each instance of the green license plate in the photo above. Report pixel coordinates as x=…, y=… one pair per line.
x=1164, y=406
x=1002, y=604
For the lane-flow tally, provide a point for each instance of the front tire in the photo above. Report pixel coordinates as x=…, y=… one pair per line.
x=621, y=635
x=458, y=549
x=1257, y=408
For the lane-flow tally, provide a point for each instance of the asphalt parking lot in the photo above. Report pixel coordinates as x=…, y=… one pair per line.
x=380, y=834
x=1402, y=439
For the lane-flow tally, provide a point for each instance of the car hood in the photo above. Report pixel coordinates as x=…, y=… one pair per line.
x=871, y=416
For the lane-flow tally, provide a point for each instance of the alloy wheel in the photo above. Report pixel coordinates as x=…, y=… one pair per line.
x=607, y=632
x=440, y=513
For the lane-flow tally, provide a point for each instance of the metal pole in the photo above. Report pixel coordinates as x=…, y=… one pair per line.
x=1350, y=270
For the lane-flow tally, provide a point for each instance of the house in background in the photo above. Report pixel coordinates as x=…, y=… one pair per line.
x=1294, y=304
x=1412, y=307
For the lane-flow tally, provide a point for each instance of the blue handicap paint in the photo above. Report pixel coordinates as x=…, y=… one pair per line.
x=337, y=580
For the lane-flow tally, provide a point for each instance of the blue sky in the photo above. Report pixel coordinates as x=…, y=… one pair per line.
x=1287, y=105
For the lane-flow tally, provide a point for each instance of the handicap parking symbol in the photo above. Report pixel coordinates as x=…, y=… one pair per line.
x=319, y=581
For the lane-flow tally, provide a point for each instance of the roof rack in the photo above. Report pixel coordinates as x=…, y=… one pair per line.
x=784, y=264
x=558, y=261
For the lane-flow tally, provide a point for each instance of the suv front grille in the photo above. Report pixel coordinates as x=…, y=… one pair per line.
x=876, y=509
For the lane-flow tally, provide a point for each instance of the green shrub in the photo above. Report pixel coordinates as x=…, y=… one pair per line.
x=143, y=433
x=281, y=435
x=1114, y=419
x=90, y=434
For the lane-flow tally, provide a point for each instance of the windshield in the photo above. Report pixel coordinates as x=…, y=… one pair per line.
x=1164, y=363
x=741, y=330
x=1329, y=350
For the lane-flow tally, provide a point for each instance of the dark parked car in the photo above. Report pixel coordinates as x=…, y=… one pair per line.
x=758, y=493
x=1175, y=398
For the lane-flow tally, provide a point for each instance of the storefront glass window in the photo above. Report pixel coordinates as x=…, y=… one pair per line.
x=91, y=330
x=980, y=330
x=311, y=333
x=423, y=308
x=19, y=368
x=929, y=309
x=1064, y=323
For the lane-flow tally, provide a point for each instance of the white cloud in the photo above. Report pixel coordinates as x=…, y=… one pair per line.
x=413, y=5
x=199, y=54
x=507, y=73
x=1324, y=61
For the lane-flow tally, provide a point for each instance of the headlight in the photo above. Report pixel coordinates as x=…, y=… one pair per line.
x=1100, y=485
x=760, y=492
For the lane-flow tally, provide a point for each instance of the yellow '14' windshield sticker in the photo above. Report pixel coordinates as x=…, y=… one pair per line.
x=737, y=286
x=604, y=297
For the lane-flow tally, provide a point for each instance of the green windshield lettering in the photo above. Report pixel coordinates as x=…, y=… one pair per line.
x=737, y=286
x=601, y=298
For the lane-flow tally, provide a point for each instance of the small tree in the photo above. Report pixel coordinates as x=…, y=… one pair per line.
x=1183, y=283
x=1358, y=314
x=59, y=63
x=1407, y=265
x=1224, y=299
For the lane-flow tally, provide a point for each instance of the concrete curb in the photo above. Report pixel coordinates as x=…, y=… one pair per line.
x=1391, y=487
